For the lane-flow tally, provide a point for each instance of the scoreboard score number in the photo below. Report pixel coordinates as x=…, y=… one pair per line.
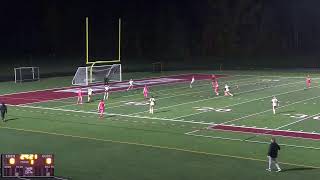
x=27, y=165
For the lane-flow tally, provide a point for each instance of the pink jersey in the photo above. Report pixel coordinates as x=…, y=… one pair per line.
x=308, y=80
x=79, y=92
x=215, y=84
x=213, y=77
x=101, y=106
x=145, y=90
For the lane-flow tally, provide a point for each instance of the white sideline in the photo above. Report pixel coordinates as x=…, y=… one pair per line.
x=251, y=141
x=112, y=114
x=289, y=124
x=295, y=122
x=267, y=129
x=254, y=114
x=145, y=117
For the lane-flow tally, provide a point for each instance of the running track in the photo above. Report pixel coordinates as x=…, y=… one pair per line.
x=54, y=94
x=262, y=131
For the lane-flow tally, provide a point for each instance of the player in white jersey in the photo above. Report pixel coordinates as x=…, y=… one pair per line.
x=275, y=104
x=152, y=104
x=130, y=85
x=227, y=91
x=106, y=92
x=90, y=93
x=192, y=81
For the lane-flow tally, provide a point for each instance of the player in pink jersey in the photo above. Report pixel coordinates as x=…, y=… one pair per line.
x=216, y=88
x=145, y=91
x=308, y=81
x=213, y=77
x=215, y=84
x=101, y=108
x=79, y=101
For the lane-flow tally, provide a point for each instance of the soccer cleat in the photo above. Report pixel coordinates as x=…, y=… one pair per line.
x=268, y=169
x=279, y=170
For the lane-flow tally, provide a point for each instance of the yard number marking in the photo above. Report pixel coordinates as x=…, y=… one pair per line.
x=137, y=103
x=301, y=116
x=208, y=109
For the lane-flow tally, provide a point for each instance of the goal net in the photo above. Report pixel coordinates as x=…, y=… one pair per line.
x=22, y=74
x=97, y=74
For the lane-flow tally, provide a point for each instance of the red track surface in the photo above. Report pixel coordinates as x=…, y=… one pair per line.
x=284, y=133
x=51, y=94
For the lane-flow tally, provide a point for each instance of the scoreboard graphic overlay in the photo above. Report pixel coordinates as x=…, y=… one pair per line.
x=27, y=165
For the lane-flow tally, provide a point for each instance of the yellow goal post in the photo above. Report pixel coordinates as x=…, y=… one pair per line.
x=93, y=62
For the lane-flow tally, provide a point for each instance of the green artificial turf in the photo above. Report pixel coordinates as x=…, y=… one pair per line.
x=173, y=143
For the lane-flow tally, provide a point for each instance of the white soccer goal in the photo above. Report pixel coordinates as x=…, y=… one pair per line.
x=22, y=74
x=97, y=74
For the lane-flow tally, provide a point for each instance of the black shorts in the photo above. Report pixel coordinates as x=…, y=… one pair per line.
x=2, y=114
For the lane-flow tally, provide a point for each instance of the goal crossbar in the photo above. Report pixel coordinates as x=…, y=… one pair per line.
x=22, y=74
x=97, y=74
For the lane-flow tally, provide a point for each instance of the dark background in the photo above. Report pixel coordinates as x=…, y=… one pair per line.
x=183, y=34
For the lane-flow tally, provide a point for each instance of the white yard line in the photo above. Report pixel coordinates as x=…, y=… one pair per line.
x=174, y=95
x=257, y=99
x=251, y=141
x=151, y=77
x=254, y=114
x=112, y=114
x=201, y=100
x=266, y=129
x=191, y=132
x=295, y=122
x=289, y=77
x=121, y=90
x=66, y=87
x=154, y=118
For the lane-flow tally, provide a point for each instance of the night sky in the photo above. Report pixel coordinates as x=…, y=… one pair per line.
x=176, y=29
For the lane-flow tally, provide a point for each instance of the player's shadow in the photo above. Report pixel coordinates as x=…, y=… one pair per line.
x=298, y=169
x=11, y=119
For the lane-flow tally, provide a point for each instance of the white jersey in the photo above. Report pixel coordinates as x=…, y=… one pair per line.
x=192, y=80
x=152, y=101
x=90, y=91
x=131, y=82
x=106, y=88
x=274, y=101
x=226, y=88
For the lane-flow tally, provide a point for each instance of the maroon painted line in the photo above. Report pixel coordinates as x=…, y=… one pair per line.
x=51, y=94
x=273, y=132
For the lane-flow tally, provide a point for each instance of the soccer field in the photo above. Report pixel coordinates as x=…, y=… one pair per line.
x=193, y=133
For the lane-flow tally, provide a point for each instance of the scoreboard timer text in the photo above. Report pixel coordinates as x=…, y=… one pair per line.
x=27, y=165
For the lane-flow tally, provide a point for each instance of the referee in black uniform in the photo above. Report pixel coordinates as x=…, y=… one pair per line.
x=273, y=154
x=3, y=111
